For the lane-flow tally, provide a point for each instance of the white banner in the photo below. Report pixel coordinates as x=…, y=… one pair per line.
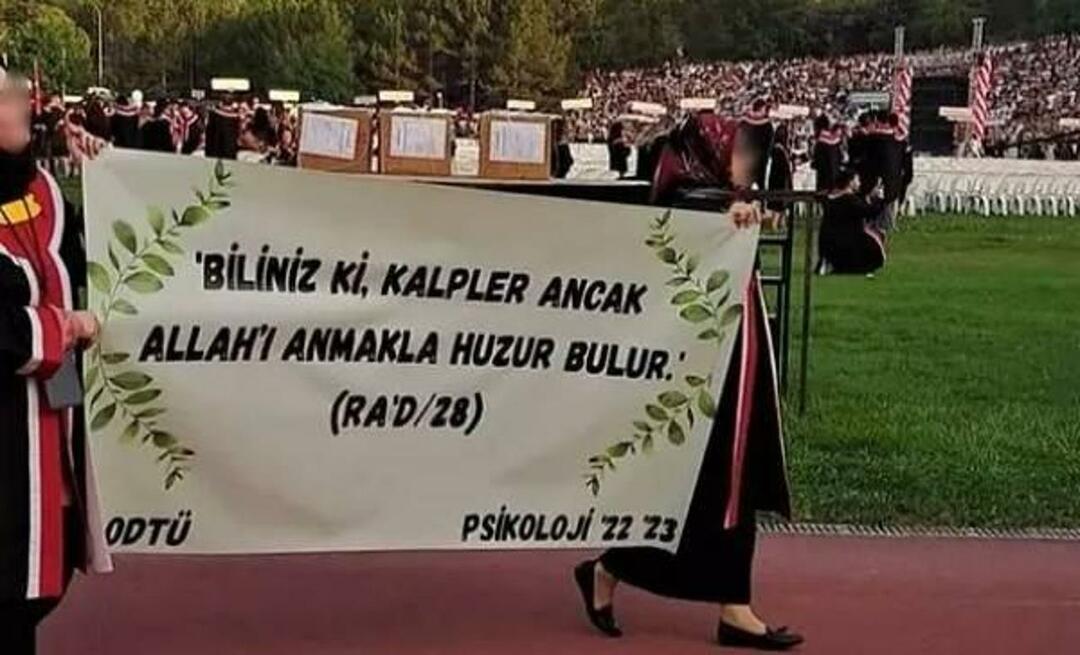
x=295, y=361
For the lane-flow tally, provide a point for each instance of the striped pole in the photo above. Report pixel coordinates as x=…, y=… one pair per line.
x=901, y=98
x=981, y=79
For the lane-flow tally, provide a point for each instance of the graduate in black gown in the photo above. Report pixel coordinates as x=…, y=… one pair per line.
x=156, y=133
x=125, y=124
x=848, y=242
x=828, y=153
x=743, y=471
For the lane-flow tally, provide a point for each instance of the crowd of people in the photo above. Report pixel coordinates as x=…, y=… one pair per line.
x=1035, y=84
x=229, y=128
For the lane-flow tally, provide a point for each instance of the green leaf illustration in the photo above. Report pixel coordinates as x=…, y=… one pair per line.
x=171, y=247
x=717, y=280
x=619, y=449
x=156, y=218
x=113, y=259
x=99, y=277
x=92, y=375
x=124, y=307
x=656, y=412
x=706, y=404
x=115, y=358
x=127, y=394
x=195, y=215
x=685, y=297
x=731, y=315
x=673, y=399
x=158, y=265
x=125, y=234
x=696, y=313
x=130, y=432
x=103, y=417
x=131, y=380
x=143, y=282
x=163, y=439
x=142, y=397
x=676, y=435
x=699, y=301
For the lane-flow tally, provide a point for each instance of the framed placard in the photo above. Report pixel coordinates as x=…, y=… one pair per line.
x=415, y=143
x=515, y=146
x=336, y=140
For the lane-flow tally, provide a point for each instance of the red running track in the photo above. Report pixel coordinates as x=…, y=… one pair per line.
x=854, y=596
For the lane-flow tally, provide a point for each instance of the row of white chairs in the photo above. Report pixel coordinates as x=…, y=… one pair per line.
x=999, y=194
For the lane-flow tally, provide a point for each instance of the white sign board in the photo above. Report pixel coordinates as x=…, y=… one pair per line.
x=397, y=96
x=418, y=137
x=518, y=142
x=230, y=84
x=328, y=136
x=318, y=365
x=576, y=104
x=697, y=104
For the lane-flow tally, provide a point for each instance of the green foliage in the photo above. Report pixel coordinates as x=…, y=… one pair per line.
x=32, y=31
x=535, y=54
x=139, y=263
x=300, y=44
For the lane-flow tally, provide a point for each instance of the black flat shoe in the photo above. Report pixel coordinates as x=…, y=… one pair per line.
x=778, y=639
x=602, y=619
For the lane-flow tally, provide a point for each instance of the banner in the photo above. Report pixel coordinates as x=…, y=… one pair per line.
x=296, y=361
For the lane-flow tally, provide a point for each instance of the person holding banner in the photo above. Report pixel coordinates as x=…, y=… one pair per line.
x=49, y=521
x=743, y=471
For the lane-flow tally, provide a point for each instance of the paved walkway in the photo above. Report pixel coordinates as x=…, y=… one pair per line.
x=855, y=596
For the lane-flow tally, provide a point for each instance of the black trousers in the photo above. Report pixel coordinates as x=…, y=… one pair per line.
x=19, y=619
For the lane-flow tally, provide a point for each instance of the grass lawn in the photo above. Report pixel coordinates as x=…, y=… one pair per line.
x=947, y=390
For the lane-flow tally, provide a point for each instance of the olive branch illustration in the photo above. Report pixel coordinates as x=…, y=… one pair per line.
x=140, y=265
x=702, y=302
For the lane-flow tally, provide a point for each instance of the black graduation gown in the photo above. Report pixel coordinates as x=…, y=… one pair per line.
x=618, y=157
x=743, y=472
x=827, y=161
x=846, y=242
x=157, y=136
x=222, y=133
x=125, y=128
x=562, y=160
x=761, y=133
x=892, y=166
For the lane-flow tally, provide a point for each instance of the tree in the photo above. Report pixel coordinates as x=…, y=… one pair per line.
x=534, y=56
x=301, y=44
x=45, y=34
